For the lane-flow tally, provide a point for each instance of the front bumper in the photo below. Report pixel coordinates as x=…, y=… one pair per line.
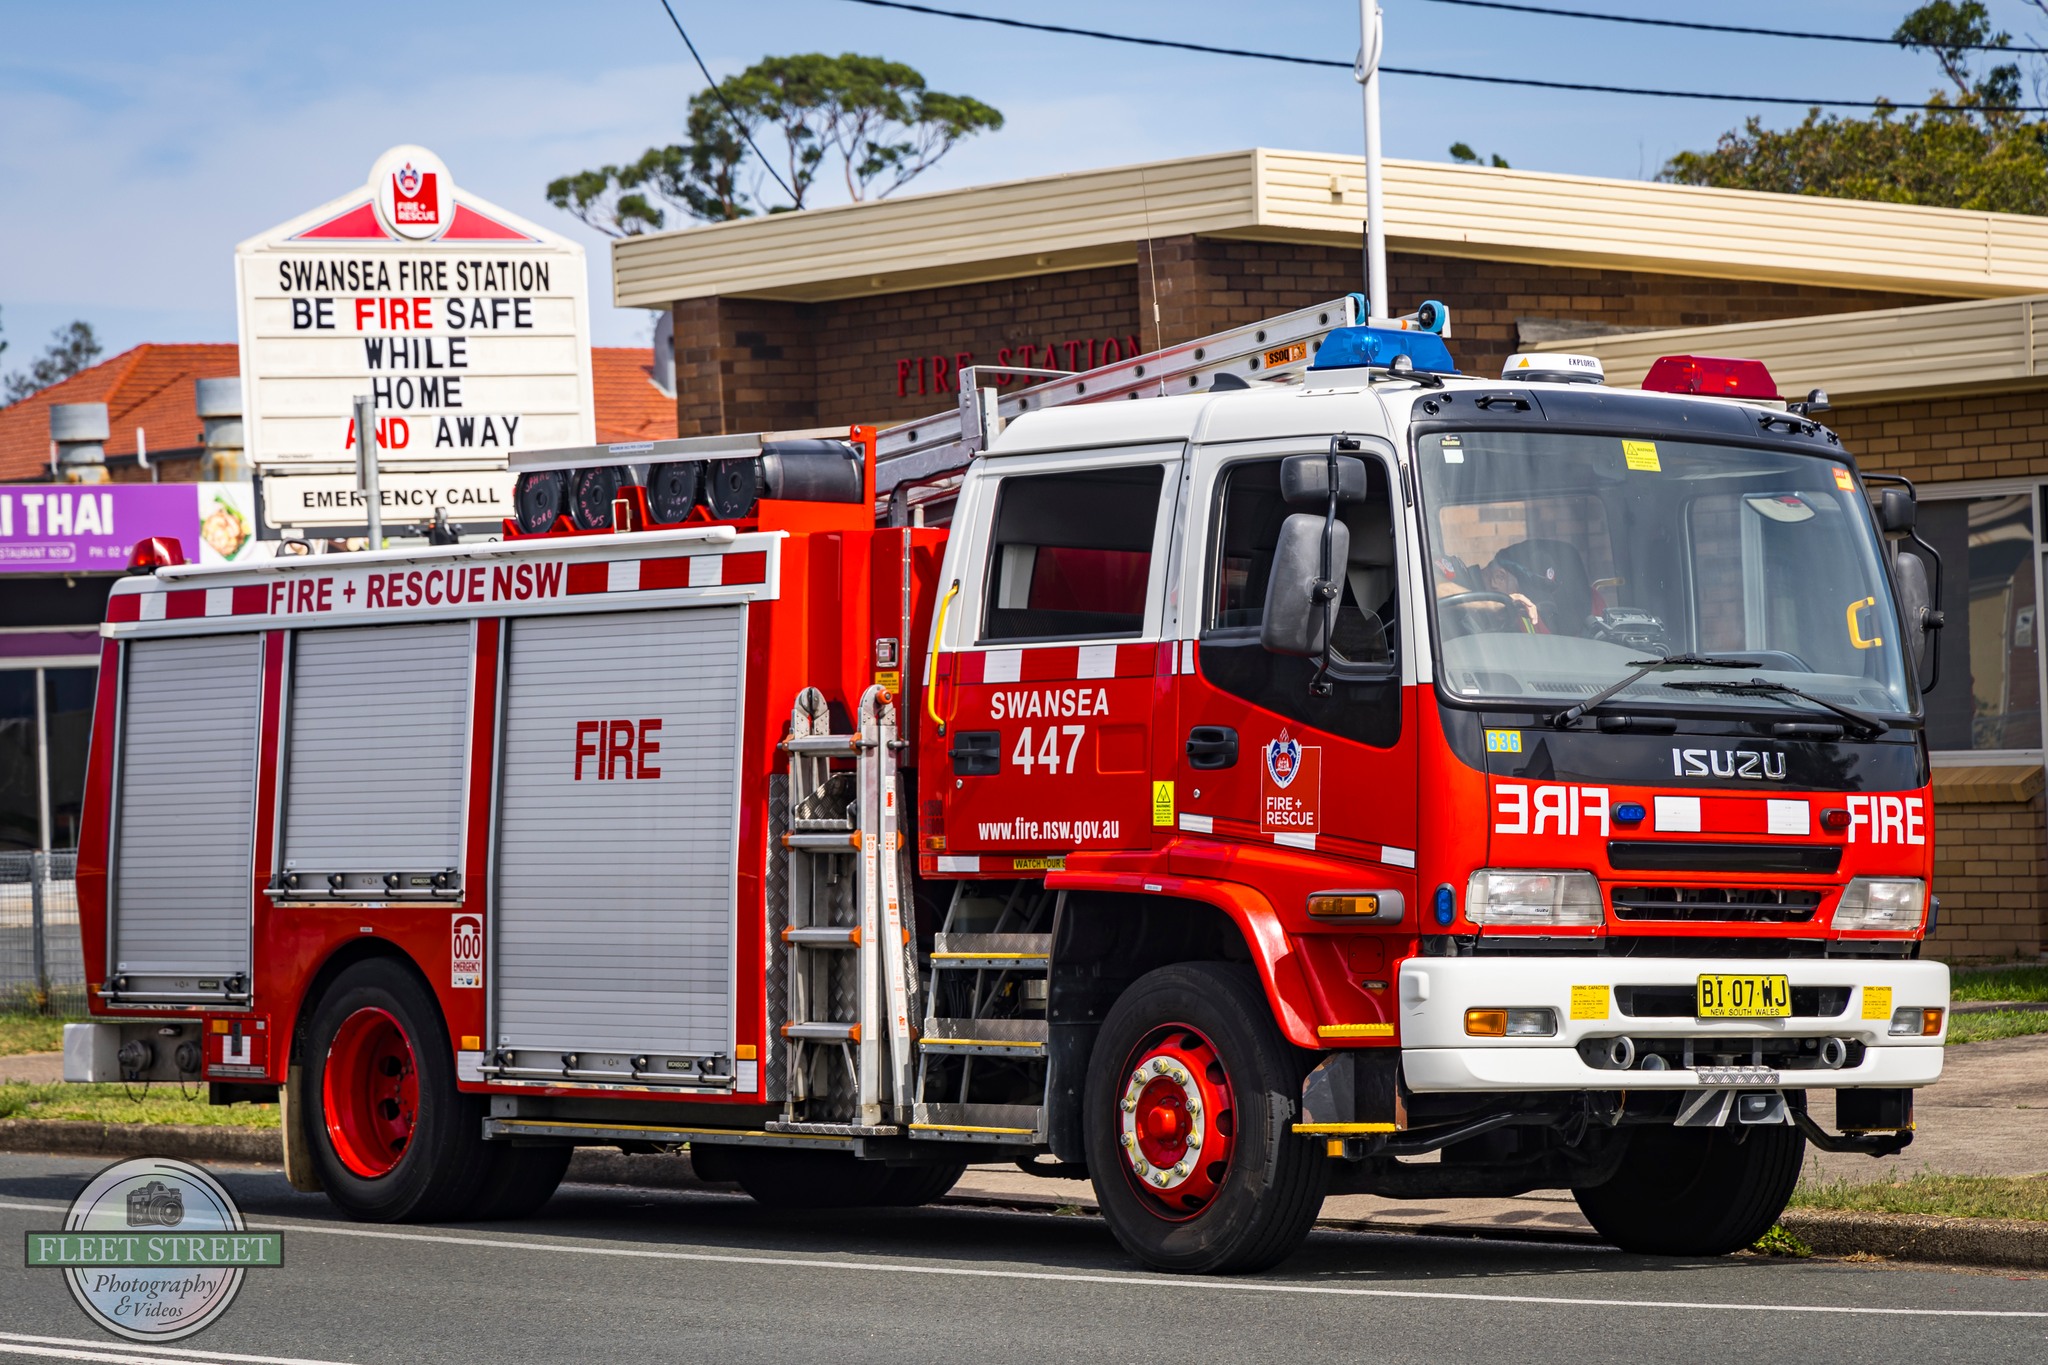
x=1438, y=1057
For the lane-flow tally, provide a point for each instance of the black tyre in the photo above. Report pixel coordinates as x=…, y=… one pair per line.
x=392, y=1138
x=520, y=1180
x=787, y=1178
x=1696, y=1191
x=909, y=1186
x=1190, y=1100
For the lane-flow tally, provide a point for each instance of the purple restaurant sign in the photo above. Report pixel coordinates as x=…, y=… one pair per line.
x=59, y=528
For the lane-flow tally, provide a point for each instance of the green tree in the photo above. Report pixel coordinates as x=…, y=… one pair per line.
x=876, y=118
x=1966, y=152
x=71, y=349
x=1462, y=153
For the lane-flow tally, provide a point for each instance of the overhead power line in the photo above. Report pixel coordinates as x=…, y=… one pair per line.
x=1547, y=12
x=766, y=164
x=1524, y=81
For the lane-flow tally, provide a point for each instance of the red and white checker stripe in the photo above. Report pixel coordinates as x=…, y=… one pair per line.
x=1054, y=663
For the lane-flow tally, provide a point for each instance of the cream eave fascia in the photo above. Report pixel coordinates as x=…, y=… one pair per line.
x=1983, y=345
x=1097, y=217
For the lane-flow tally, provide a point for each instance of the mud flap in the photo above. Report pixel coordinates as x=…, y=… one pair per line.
x=299, y=1169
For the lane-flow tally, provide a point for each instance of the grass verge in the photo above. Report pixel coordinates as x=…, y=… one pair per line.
x=1983, y=1028
x=1947, y=1196
x=128, y=1104
x=26, y=1031
x=2001, y=983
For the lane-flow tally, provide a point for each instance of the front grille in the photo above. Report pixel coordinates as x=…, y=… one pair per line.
x=1679, y=1002
x=1648, y=855
x=1743, y=904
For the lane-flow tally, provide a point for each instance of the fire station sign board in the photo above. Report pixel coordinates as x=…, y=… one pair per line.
x=469, y=326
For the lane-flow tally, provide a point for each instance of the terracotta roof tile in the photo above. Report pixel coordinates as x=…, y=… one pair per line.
x=150, y=386
x=629, y=407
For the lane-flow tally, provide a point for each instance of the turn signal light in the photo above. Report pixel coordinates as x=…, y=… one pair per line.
x=1513, y=1023
x=1344, y=906
x=1908, y=1021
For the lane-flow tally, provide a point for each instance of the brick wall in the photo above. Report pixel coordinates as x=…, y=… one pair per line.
x=1991, y=436
x=746, y=364
x=1989, y=863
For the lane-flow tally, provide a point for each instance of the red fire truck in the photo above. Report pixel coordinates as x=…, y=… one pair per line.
x=1328, y=761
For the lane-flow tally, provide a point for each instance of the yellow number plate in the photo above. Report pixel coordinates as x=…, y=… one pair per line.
x=1744, y=997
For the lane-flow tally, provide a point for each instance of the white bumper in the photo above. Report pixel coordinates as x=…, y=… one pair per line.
x=1438, y=1056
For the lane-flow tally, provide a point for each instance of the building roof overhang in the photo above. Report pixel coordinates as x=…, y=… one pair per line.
x=1097, y=218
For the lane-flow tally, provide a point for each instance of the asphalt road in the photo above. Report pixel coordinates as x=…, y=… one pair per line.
x=630, y=1275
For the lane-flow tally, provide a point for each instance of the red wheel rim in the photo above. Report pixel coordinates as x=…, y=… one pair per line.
x=1178, y=1121
x=370, y=1089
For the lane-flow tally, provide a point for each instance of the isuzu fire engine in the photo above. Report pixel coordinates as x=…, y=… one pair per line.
x=1272, y=766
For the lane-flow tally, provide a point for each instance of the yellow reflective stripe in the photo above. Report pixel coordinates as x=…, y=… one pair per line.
x=1341, y=1129
x=1355, y=1031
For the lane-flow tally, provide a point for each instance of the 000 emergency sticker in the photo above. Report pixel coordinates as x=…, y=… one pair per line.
x=1843, y=481
x=1641, y=455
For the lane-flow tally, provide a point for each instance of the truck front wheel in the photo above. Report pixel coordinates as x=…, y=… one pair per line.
x=1191, y=1095
x=393, y=1139
x=1696, y=1191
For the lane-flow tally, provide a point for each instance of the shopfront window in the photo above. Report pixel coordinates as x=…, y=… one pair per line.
x=1989, y=697
x=42, y=755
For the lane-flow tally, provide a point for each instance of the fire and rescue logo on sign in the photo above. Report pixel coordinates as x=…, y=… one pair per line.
x=1291, y=788
x=412, y=193
x=1283, y=759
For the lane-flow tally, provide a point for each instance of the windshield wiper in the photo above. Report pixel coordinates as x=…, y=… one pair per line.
x=1869, y=725
x=1566, y=718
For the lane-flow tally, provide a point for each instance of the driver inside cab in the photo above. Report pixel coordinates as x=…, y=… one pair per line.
x=1537, y=586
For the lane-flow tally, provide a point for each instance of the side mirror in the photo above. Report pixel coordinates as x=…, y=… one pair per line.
x=1897, y=512
x=1305, y=480
x=1916, y=605
x=1298, y=601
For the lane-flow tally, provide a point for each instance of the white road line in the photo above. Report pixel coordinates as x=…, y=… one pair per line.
x=132, y=1353
x=1183, y=1284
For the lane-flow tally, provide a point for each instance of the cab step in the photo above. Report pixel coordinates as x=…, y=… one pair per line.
x=998, y=952
x=985, y=1037
x=998, y=1123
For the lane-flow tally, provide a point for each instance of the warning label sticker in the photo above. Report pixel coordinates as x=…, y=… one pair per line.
x=466, y=952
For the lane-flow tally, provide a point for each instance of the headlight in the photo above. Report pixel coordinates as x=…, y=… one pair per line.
x=1507, y=896
x=1895, y=904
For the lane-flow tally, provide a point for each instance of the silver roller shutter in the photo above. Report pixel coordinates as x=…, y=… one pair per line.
x=185, y=817
x=615, y=895
x=378, y=735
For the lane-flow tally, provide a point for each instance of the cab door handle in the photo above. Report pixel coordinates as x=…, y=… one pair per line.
x=1212, y=746
x=976, y=753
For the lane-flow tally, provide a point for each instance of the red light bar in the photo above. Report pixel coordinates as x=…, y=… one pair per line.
x=155, y=553
x=1711, y=377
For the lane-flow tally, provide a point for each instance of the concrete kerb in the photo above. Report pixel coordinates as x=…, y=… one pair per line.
x=2003, y=1243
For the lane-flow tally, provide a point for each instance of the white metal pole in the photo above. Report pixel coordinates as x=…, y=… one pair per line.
x=366, y=467
x=1368, y=76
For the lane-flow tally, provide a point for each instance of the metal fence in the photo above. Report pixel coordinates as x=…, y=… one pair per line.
x=41, y=964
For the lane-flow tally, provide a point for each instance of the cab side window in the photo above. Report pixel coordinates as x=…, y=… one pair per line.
x=1071, y=555
x=1367, y=640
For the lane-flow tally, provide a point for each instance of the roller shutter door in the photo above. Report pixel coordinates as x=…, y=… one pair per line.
x=185, y=822
x=378, y=736
x=615, y=889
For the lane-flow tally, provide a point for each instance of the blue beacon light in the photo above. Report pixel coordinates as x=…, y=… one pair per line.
x=1629, y=813
x=1348, y=347
x=1446, y=905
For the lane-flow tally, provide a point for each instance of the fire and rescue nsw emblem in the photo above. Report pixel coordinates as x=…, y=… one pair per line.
x=1290, y=787
x=466, y=952
x=415, y=198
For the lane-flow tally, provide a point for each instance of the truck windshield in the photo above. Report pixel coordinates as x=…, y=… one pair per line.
x=1556, y=560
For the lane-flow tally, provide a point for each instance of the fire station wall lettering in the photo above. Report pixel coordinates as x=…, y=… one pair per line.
x=616, y=842
x=186, y=813
x=377, y=738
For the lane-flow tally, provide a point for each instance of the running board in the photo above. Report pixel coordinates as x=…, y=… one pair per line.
x=592, y=1134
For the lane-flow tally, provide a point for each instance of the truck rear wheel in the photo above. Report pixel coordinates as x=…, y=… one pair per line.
x=393, y=1139
x=785, y=1178
x=1696, y=1191
x=1190, y=1100
x=910, y=1186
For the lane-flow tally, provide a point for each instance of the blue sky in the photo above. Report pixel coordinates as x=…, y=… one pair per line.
x=140, y=142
